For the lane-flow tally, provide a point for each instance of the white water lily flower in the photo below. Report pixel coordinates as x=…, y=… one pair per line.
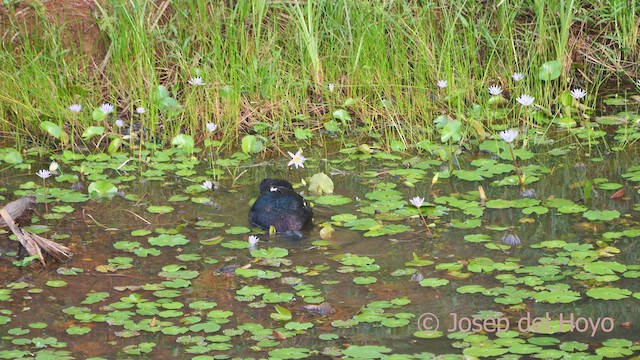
x=517, y=76
x=578, y=94
x=330, y=87
x=141, y=110
x=119, y=123
x=196, y=81
x=207, y=185
x=76, y=108
x=442, y=84
x=509, y=135
x=297, y=159
x=253, y=240
x=43, y=173
x=526, y=99
x=53, y=167
x=495, y=90
x=417, y=201
x=106, y=108
x=211, y=127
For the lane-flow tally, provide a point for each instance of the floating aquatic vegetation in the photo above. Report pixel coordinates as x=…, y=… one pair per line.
x=373, y=250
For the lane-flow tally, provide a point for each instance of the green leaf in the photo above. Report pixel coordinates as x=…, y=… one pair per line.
x=362, y=280
x=342, y=115
x=270, y=253
x=605, y=267
x=168, y=240
x=251, y=145
x=283, y=313
x=236, y=244
x=366, y=351
x=102, y=189
x=51, y=128
x=93, y=298
x=114, y=145
x=98, y=115
x=289, y=353
x=394, y=322
x=468, y=175
x=184, y=141
x=601, y=215
x=92, y=131
x=56, y=283
x=331, y=126
x=550, y=70
x=12, y=157
x=236, y=230
x=328, y=337
x=433, y=282
x=302, y=134
x=451, y=131
x=609, y=293
x=78, y=330
x=332, y=200
x=320, y=184
x=159, y=209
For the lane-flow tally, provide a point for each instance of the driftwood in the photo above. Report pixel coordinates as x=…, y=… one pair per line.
x=20, y=211
x=34, y=244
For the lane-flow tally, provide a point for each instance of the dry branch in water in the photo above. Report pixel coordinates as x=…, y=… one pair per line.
x=21, y=210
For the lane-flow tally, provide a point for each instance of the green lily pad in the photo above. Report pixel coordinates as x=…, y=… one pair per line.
x=78, y=330
x=102, y=189
x=608, y=293
x=270, y=253
x=605, y=267
x=601, y=215
x=320, y=184
x=433, y=282
x=159, y=209
x=361, y=280
x=236, y=244
x=168, y=240
x=56, y=283
x=251, y=144
x=183, y=141
x=235, y=230
x=290, y=353
x=366, y=351
x=428, y=334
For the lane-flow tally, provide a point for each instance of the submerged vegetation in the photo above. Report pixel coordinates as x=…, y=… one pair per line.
x=383, y=71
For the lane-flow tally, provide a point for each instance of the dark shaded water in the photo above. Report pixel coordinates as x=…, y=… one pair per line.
x=94, y=226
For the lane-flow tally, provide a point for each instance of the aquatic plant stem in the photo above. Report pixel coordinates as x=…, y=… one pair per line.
x=426, y=224
x=46, y=206
x=515, y=163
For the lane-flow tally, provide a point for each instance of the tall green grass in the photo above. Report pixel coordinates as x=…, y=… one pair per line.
x=267, y=64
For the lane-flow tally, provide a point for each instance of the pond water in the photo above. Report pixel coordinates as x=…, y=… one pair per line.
x=182, y=282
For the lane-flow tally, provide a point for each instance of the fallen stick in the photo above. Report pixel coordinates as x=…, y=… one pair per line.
x=20, y=211
x=33, y=244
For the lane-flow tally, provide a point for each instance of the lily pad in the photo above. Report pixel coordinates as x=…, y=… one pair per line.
x=608, y=293
x=159, y=209
x=102, y=189
x=601, y=215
